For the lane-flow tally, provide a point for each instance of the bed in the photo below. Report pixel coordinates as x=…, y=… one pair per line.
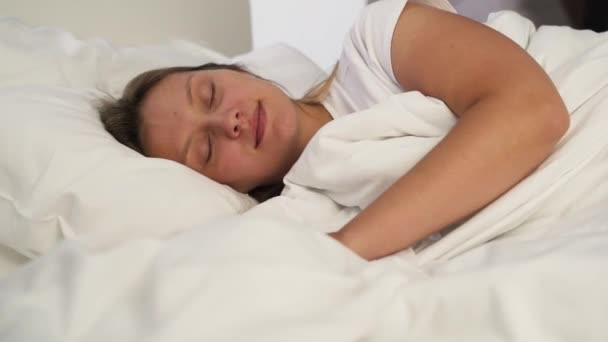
x=99, y=243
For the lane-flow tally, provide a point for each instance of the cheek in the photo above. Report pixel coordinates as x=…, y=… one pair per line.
x=231, y=161
x=283, y=121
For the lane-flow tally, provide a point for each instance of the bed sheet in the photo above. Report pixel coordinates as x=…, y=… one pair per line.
x=262, y=279
x=270, y=280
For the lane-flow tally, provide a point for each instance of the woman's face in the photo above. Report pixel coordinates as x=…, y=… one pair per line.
x=230, y=126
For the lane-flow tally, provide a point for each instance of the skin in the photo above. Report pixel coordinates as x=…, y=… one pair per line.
x=510, y=119
x=188, y=115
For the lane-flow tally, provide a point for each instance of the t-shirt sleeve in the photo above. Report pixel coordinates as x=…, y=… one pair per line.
x=365, y=75
x=371, y=36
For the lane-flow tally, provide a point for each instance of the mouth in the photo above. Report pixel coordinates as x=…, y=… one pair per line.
x=260, y=124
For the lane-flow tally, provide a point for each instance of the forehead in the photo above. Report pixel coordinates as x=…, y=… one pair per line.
x=164, y=100
x=164, y=118
x=168, y=86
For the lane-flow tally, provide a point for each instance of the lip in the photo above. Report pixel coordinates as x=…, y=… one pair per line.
x=260, y=125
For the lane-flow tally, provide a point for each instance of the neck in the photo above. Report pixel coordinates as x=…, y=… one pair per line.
x=311, y=118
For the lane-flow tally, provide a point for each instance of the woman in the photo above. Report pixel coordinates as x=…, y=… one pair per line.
x=243, y=131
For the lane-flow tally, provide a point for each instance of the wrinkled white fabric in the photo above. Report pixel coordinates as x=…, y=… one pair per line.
x=274, y=281
x=268, y=276
x=355, y=158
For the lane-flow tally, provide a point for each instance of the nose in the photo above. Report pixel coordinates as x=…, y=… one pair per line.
x=233, y=124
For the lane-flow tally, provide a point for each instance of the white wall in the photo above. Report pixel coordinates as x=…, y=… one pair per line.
x=222, y=24
x=541, y=12
x=315, y=27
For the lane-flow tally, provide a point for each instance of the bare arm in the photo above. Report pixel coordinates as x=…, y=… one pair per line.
x=511, y=117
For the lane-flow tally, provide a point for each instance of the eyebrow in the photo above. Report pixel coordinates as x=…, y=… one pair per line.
x=189, y=89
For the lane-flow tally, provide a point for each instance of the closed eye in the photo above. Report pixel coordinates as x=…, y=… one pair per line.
x=189, y=89
x=209, y=148
x=212, y=97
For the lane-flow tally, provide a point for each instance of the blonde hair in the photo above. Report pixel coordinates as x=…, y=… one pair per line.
x=319, y=92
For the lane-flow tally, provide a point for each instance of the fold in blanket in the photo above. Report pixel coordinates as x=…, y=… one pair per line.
x=355, y=158
x=263, y=279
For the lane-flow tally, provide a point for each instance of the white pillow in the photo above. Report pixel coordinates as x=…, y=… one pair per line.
x=62, y=174
x=284, y=65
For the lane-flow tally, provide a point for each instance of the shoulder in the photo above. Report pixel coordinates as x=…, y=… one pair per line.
x=371, y=35
x=458, y=60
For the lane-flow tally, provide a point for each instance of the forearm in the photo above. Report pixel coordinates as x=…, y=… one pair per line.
x=490, y=149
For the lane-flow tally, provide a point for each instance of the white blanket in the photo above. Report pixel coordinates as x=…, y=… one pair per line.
x=355, y=158
x=270, y=279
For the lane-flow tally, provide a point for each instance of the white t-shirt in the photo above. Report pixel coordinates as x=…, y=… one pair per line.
x=365, y=73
